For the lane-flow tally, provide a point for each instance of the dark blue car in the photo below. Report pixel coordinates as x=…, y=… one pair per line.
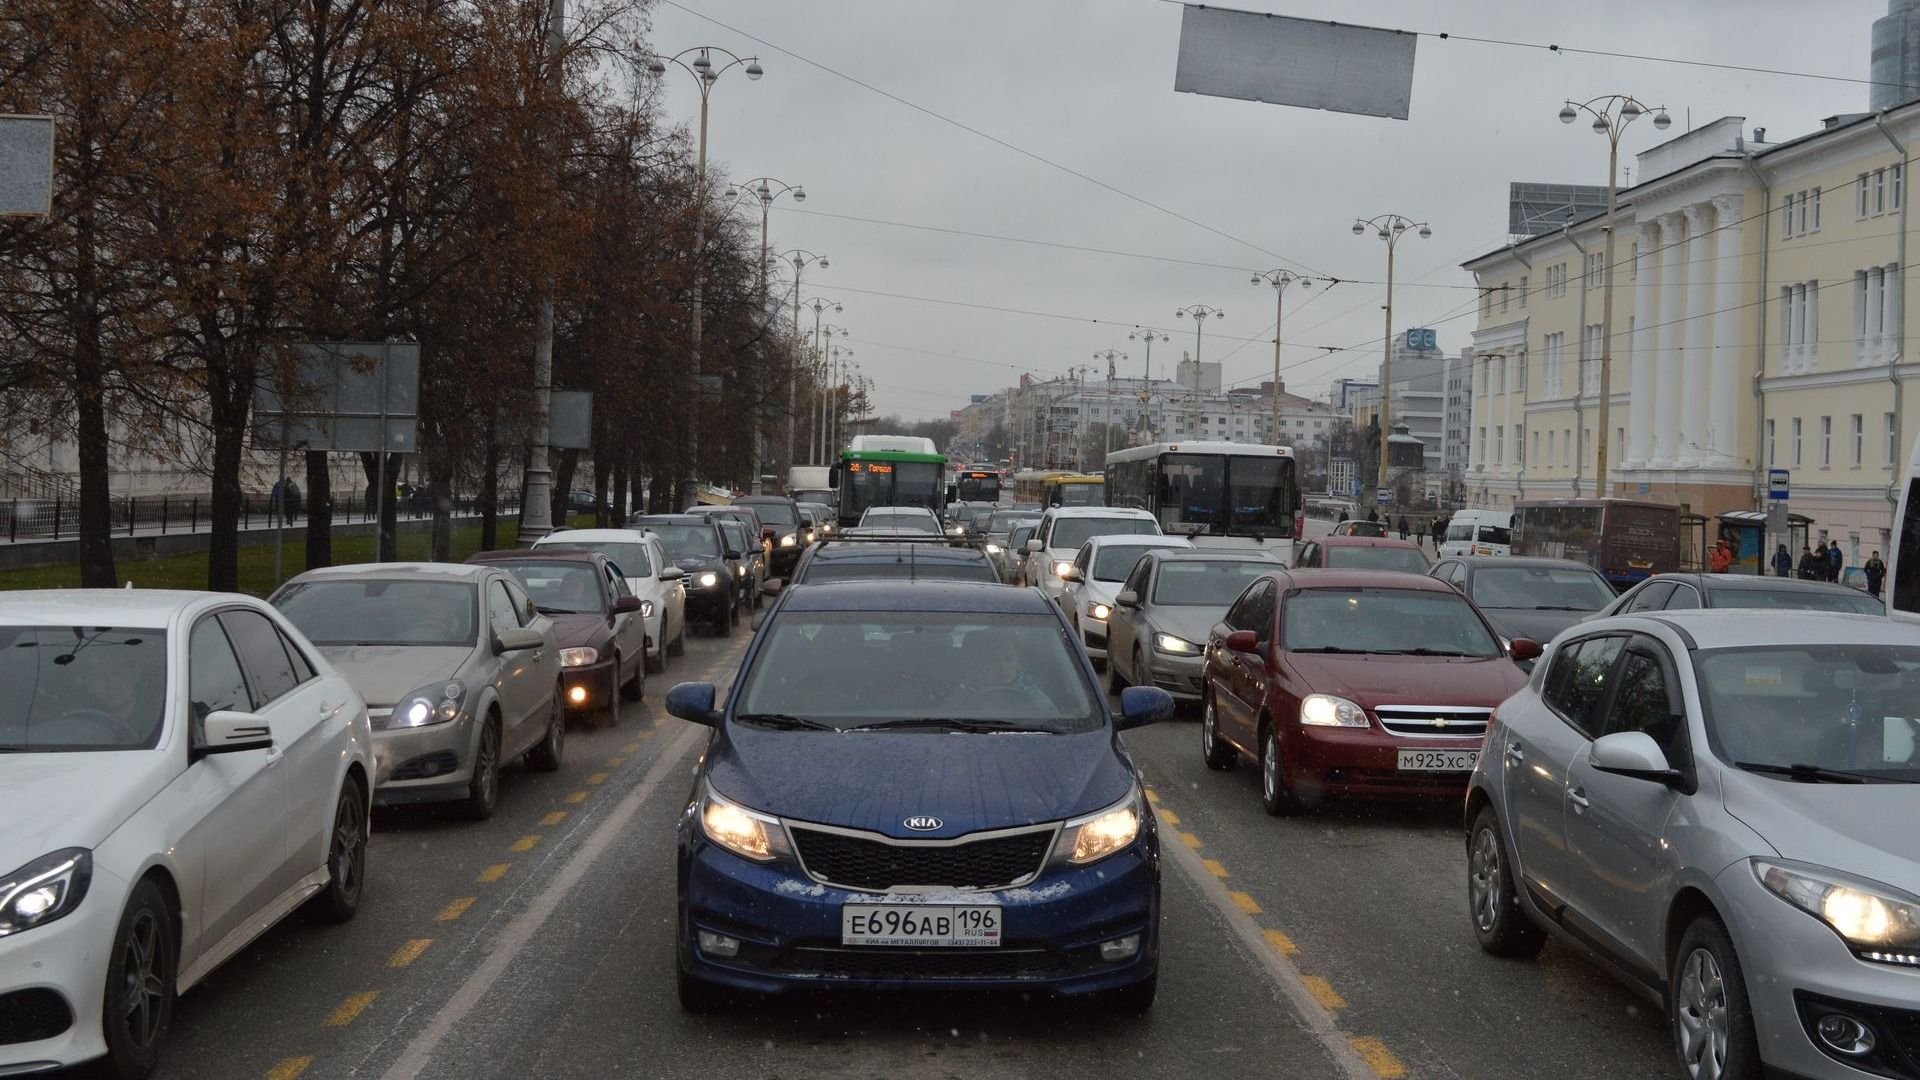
x=917, y=787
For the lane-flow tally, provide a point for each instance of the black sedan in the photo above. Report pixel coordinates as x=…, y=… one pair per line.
x=697, y=545
x=1526, y=597
x=1674, y=592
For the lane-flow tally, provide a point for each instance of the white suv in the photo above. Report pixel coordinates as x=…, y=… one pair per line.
x=1063, y=529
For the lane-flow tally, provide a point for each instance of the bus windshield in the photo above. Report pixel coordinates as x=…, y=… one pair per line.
x=979, y=487
x=1083, y=494
x=889, y=483
x=1222, y=495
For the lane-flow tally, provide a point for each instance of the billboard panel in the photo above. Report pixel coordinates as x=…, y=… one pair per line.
x=1313, y=64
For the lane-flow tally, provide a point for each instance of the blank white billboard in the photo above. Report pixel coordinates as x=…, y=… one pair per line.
x=1286, y=61
x=26, y=166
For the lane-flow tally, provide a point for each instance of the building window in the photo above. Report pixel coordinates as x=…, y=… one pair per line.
x=1536, y=446
x=1486, y=302
x=1520, y=370
x=1566, y=446
x=1620, y=441
x=1548, y=460
x=1523, y=292
x=1795, y=438
x=1505, y=298
x=1879, y=191
x=1520, y=443
x=1826, y=441
x=1856, y=439
x=1556, y=281
x=1483, y=448
x=1786, y=215
x=1633, y=266
x=1500, y=444
x=1860, y=196
x=1891, y=446
x=1899, y=181
x=1769, y=444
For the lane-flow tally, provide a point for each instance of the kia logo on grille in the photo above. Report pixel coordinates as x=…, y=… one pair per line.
x=923, y=823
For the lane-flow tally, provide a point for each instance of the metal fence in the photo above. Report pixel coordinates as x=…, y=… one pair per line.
x=58, y=518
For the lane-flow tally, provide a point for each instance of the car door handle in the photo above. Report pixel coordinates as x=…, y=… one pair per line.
x=1515, y=753
x=274, y=754
x=539, y=655
x=1578, y=797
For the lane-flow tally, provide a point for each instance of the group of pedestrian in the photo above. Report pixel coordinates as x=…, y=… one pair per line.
x=1827, y=562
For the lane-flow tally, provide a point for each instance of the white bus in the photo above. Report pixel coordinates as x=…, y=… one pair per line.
x=1217, y=494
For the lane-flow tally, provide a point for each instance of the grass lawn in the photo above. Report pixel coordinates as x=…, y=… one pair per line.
x=189, y=571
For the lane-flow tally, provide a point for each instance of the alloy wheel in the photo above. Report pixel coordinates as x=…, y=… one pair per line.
x=349, y=853
x=1702, y=1014
x=1207, y=741
x=1483, y=880
x=145, y=987
x=486, y=768
x=1270, y=766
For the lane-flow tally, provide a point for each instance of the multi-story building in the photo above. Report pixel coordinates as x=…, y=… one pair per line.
x=1456, y=424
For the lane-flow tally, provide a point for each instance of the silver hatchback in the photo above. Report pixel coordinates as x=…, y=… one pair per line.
x=1726, y=811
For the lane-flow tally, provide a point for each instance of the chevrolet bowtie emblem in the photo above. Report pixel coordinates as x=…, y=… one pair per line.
x=1441, y=721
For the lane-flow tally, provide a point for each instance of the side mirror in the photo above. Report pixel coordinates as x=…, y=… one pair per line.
x=672, y=573
x=229, y=732
x=1127, y=598
x=693, y=702
x=766, y=534
x=833, y=475
x=518, y=639
x=1034, y=545
x=1524, y=650
x=1143, y=705
x=1242, y=641
x=1072, y=573
x=626, y=605
x=759, y=617
x=1632, y=753
x=732, y=555
x=772, y=586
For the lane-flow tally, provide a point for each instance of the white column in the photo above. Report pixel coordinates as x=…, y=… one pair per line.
x=1640, y=378
x=1673, y=336
x=1723, y=404
x=1511, y=462
x=1699, y=353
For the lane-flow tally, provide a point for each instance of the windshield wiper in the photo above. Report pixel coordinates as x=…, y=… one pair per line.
x=1560, y=607
x=1329, y=649
x=972, y=726
x=1423, y=652
x=783, y=721
x=1803, y=773
x=545, y=610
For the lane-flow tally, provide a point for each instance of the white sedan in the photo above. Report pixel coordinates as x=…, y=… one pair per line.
x=651, y=576
x=182, y=770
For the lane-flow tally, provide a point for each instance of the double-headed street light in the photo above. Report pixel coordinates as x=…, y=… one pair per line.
x=799, y=259
x=765, y=189
x=1391, y=228
x=705, y=74
x=1611, y=114
x=1201, y=313
x=817, y=450
x=1149, y=335
x=1279, y=279
x=1111, y=356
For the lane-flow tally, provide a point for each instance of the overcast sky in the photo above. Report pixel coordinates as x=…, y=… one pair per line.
x=1088, y=84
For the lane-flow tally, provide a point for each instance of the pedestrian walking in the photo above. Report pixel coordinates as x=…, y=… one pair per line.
x=1836, y=562
x=1403, y=526
x=1813, y=564
x=1373, y=514
x=1342, y=517
x=1439, y=533
x=1782, y=562
x=1876, y=575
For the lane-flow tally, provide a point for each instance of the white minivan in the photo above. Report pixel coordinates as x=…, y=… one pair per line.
x=1479, y=532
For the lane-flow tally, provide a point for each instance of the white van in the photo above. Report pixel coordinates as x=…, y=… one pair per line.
x=1478, y=532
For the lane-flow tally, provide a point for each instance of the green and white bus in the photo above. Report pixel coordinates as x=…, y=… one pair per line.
x=889, y=470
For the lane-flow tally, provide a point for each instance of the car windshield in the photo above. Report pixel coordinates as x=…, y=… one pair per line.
x=1070, y=532
x=1019, y=536
x=1849, y=602
x=1545, y=588
x=774, y=515
x=1382, y=620
x=629, y=556
x=685, y=540
x=1214, y=583
x=736, y=531
x=1357, y=557
x=902, y=565
x=382, y=612
x=1848, y=707
x=855, y=669
x=74, y=688
x=560, y=588
x=1113, y=562
x=1003, y=521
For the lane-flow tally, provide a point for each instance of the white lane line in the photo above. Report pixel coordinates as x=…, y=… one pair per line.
x=1282, y=970
x=515, y=936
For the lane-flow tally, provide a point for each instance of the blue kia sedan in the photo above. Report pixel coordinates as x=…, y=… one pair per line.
x=917, y=788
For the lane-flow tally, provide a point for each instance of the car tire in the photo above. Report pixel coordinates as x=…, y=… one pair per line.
x=140, y=984
x=613, y=698
x=635, y=688
x=1133, y=999
x=1115, y=683
x=656, y=662
x=1276, y=795
x=1214, y=750
x=1500, y=924
x=548, y=754
x=1706, y=981
x=697, y=995
x=678, y=646
x=483, y=791
x=346, y=858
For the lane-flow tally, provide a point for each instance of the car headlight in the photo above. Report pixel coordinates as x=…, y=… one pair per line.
x=1174, y=646
x=1877, y=921
x=1060, y=568
x=740, y=571
x=744, y=832
x=1323, y=710
x=1096, y=836
x=646, y=609
x=708, y=580
x=993, y=549
x=956, y=531
x=789, y=540
x=579, y=656
x=44, y=889
x=436, y=704
x=1097, y=610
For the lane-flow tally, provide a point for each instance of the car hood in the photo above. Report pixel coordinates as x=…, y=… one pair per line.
x=67, y=800
x=384, y=672
x=571, y=630
x=1371, y=681
x=1186, y=621
x=700, y=562
x=1541, y=626
x=875, y=780
x=1841, y=826
x=1099, y=591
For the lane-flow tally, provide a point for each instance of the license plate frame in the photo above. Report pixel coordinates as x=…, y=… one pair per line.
x=922, y=926
x=1424, y=760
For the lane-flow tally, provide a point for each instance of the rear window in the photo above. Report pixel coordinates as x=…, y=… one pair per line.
x=1376, y=558
x=778, y=515
x=629, y=556
x=382, y=612
x=1494, y=534
x=1851, y=603
x=1540, y=588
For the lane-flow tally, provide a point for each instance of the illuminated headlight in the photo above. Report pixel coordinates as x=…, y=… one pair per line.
x=1060, y=568
x=1096, y=610
x=436, y=704
x=789, y=540
x=993, y=549
x=708, y=580
x=579, y=656
x=1096, y=836
x=1877, y=921
x=1174, y=646
x=956, y=531
x=44, y=889
x=646, y=609
x=747, y=834
x=740, y=571
x=1322, y=710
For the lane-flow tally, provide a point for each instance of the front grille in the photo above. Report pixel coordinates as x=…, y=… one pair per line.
x=32, y=1015
x=852, y=963
x=860, y=863
x=426, y=765
x=1434, y=721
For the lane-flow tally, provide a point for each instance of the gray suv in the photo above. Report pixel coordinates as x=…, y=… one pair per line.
x=1723, y=809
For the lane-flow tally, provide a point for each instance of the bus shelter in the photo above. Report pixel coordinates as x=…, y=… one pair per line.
x=1746, y=530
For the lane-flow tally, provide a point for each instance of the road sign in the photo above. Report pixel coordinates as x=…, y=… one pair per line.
x=571, y=419
x=343, y=396
x=1646, y=488
x=1384, y=497
x=1777, y=484
x=1422, y=338
x=26, y=166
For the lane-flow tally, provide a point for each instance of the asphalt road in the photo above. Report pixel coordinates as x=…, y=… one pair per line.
x=539, y=944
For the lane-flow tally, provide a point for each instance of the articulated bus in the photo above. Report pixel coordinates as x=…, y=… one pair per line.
x=1217, y=494
x=1058, y=487
x=889, y=470
x=1030, y=485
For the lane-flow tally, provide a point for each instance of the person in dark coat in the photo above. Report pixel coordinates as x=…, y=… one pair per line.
x=1373, y=515
x=1403, y=526
x=1836, y=561
x=1782, y=562
x=1876, y=575
x=1810, y=568
x=1439, y=533
x=1343, y=516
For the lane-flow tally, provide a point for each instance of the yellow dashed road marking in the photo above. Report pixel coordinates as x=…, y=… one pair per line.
x=597, y=778
x=1190, y=840
x=455, y=910
x=1378, y=1057
x=1153, y=796
x=351, y=1008
x=616, y=761
x=408, y=953
x=1244, y=902
x=1213, y=867
x=494, y=873
x=630, y=747
x=289, y=1069
x=1281, y=943
x=1323, y=992
x=525, y=843
x=1167, y=816
x=577, y=798
x=554, y=818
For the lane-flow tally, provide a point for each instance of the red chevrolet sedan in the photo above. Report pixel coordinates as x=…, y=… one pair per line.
x=1354, y=682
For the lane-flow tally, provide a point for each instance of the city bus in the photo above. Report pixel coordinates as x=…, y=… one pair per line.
x=889, y=470
x=1624, y=540
x=1217, y=494
x=978, y=483
x=1074, y=489
x=1030, y=485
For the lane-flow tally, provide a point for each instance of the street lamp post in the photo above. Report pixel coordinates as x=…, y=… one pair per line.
x=798, y=258
x=836, y=375
x=1110, y=356
x=1146, y=383
x=1391, y=228
x=817, y=367
x=1280, y=279
x=1611, y=114
x=1200, y=313
x=705, y=74
x=764, y=189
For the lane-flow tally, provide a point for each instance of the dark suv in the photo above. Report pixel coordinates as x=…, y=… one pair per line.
x=696, y=545
x=781, y=515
